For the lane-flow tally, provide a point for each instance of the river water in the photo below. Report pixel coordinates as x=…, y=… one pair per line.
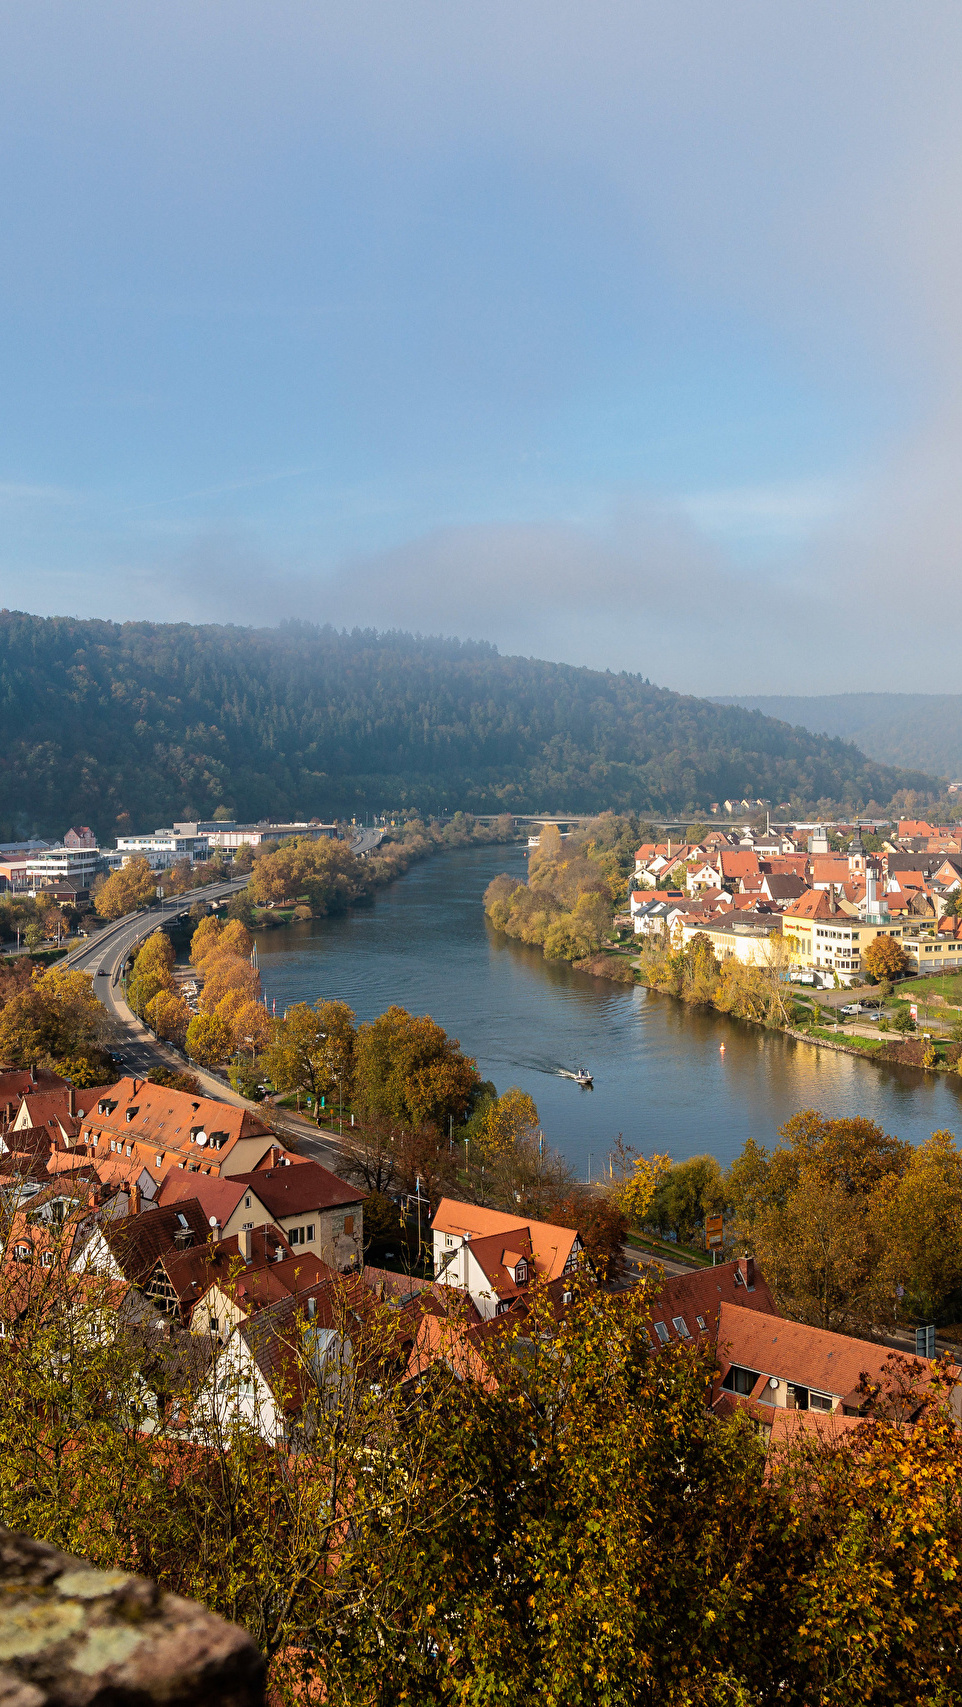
x=668, y=1077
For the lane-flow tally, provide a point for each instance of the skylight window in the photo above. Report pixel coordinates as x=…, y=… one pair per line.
x=701, y=1322
x=681, y=1327
x=662, y=1332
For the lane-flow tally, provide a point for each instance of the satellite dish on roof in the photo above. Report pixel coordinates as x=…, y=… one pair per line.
x=201, y=1138
x=213, y=1222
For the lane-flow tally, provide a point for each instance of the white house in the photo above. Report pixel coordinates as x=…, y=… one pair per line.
x=494, y=1258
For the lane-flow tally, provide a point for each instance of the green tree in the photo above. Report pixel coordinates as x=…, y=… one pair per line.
x=312, y=1050
x=685, y=1194
x=408, y=1070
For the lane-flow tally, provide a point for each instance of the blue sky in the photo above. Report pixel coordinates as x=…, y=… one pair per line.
x=619, y=333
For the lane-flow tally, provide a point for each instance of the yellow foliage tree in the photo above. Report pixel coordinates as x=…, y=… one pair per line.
x=634, y=1181
x=133, y=886
x=509, y=1121
x=168, y=1015
x=208, y=933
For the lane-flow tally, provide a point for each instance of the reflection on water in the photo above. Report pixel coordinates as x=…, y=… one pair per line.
x=661, y=1076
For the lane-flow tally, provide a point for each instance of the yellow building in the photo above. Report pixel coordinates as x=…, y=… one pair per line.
x=824, y=940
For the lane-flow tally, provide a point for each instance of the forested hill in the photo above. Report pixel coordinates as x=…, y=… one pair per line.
x=141, y=723
x=897, y=728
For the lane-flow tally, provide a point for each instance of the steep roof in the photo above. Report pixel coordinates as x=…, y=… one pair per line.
x=737, y=862
x=17, y=1082
x=300, y=1190
x=814, y=904
x=217, y=1196
x=137, y=1241
x=697, y=1298
x=157, y=1117
x=551, y=1247
x=794, y=1352
x=191, y=1272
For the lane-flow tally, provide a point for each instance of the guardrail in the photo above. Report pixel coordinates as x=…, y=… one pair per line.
x=152, y=919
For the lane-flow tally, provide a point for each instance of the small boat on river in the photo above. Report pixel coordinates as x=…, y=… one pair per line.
x=584, y=1079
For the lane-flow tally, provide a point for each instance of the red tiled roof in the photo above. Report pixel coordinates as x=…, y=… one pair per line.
x=551, y=1246
x=702, y=1294
x=299, y=1190
x=794, y=1352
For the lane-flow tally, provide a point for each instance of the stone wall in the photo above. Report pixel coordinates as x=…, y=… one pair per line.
x=71, y=1636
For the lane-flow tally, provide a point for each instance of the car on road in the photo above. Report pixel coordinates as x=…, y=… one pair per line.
x=101, y=971
x=853, y=1008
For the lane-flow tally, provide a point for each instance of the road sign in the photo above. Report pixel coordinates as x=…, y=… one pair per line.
x=925, y=1341
x=714, y=1231
x=914, y=1010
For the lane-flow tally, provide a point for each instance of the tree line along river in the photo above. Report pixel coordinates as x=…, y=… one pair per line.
x=662, y=1076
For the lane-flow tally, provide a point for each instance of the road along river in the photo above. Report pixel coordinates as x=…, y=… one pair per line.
x=662, y=1075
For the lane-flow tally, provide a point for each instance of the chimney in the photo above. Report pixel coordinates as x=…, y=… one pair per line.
x=245, y=1243
x=72, y=1102
x=215, y=1230
x=33, y=1073
x=135, y=1200
x=746, y=1268
x=312, y=1307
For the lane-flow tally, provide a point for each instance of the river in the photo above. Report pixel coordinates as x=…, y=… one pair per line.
x=668, y=1077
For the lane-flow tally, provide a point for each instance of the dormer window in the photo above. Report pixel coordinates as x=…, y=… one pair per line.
x=521, y=1273
x=131, y=1114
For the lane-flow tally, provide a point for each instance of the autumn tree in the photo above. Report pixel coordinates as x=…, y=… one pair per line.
x=885, y=958
x=54, y=1019
x=504, y=1122
x=323, y=873
x=811, y=1211
x=209, y=1039
x=169, y=1016
x=312, y=1049
x=921, y=1219
x=633, y=1181
x=410, y=1071
x=152, y=972
x=133, y=886
x=207, y=933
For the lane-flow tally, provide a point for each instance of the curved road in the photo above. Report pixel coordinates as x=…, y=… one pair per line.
x=103, y=956
x=137, y=1049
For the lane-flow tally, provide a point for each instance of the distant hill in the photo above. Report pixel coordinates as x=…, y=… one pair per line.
x=923, y=729
x=141, y=723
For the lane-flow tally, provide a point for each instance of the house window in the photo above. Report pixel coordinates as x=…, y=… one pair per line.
x=448, y=1239
x=348, y=1227
x=159, y=1161
x=310, y=1230
x=681, y=1327
x=521, y=1273
x=248, y=1226
x=247, y=1203
x=740, y=1380
x=701, y=1322
x=819, y=1401
x=662, y=1332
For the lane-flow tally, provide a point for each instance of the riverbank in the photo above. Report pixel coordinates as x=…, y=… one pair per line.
x=314, y=880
